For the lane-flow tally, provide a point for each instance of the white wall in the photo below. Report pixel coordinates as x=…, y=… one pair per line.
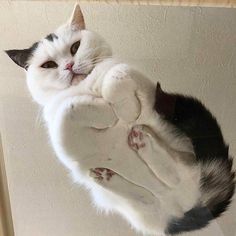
x=189, y=50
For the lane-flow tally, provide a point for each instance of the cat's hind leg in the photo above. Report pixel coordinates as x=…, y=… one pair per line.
x=142, y=209
x=157, y=155
x=115, y=183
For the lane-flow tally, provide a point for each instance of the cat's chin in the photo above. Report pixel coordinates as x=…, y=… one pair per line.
x=77, y=78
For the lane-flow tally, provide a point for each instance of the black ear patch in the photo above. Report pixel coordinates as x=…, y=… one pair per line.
x=51, y=37
x=21, y=57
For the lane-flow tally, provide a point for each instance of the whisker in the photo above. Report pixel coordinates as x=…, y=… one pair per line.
x=96, y=59
x=39, y=119
x=64, y=78
x=92, y=62
x=93, y=51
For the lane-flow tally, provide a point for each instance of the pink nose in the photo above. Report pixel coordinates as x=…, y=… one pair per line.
x=69, y=66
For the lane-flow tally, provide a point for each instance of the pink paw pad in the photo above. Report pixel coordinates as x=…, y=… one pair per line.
x=101, y=173
x=135, y=139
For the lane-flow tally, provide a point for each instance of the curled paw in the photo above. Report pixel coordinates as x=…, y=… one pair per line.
x=136, y=138
x=100, y=174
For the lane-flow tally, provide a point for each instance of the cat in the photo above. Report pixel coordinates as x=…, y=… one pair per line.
x=138, y=150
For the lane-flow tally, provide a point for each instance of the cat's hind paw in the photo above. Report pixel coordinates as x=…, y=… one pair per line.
x=100, y=174
x=136, y=138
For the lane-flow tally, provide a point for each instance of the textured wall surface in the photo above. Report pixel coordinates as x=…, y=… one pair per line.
x=189, y=50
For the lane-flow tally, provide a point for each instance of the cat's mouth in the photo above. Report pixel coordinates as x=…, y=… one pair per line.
x=76, y=78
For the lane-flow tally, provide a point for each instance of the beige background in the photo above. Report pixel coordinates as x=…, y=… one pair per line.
x=190, y=50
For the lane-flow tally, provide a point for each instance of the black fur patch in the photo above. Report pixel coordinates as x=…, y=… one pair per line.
x=51, y=37
x=193, y=119
x=196, y=218
x=21, y=57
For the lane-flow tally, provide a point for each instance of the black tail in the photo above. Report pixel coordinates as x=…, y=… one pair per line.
x=196, y=218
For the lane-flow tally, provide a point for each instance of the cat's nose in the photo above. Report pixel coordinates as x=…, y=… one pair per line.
x=69, y=66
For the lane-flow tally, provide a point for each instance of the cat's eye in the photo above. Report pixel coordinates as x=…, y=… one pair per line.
x=49, y=64
x=74, y=48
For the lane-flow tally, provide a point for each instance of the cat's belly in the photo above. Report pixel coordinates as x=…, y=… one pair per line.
x=92, y=148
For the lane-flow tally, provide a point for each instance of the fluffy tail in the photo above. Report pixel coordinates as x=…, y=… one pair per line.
x=193, y=119
x=217, y=188
x=217, y=185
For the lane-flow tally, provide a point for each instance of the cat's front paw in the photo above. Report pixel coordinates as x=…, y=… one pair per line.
x=100, y=174
x=136, y=138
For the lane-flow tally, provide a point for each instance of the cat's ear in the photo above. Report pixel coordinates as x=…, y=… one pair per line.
x=77, y=18
x=20, y=57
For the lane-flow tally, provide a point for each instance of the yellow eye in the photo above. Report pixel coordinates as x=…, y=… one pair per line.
x=49, y=64
x=74, y=48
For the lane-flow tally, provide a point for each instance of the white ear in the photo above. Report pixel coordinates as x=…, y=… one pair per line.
x=77, y=19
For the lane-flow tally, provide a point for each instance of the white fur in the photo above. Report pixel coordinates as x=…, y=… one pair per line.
x=89, y=124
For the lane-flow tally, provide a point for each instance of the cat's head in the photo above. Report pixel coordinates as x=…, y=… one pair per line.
x=61, y=59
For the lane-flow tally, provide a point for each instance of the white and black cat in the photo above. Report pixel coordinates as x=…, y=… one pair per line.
x=158, y=159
